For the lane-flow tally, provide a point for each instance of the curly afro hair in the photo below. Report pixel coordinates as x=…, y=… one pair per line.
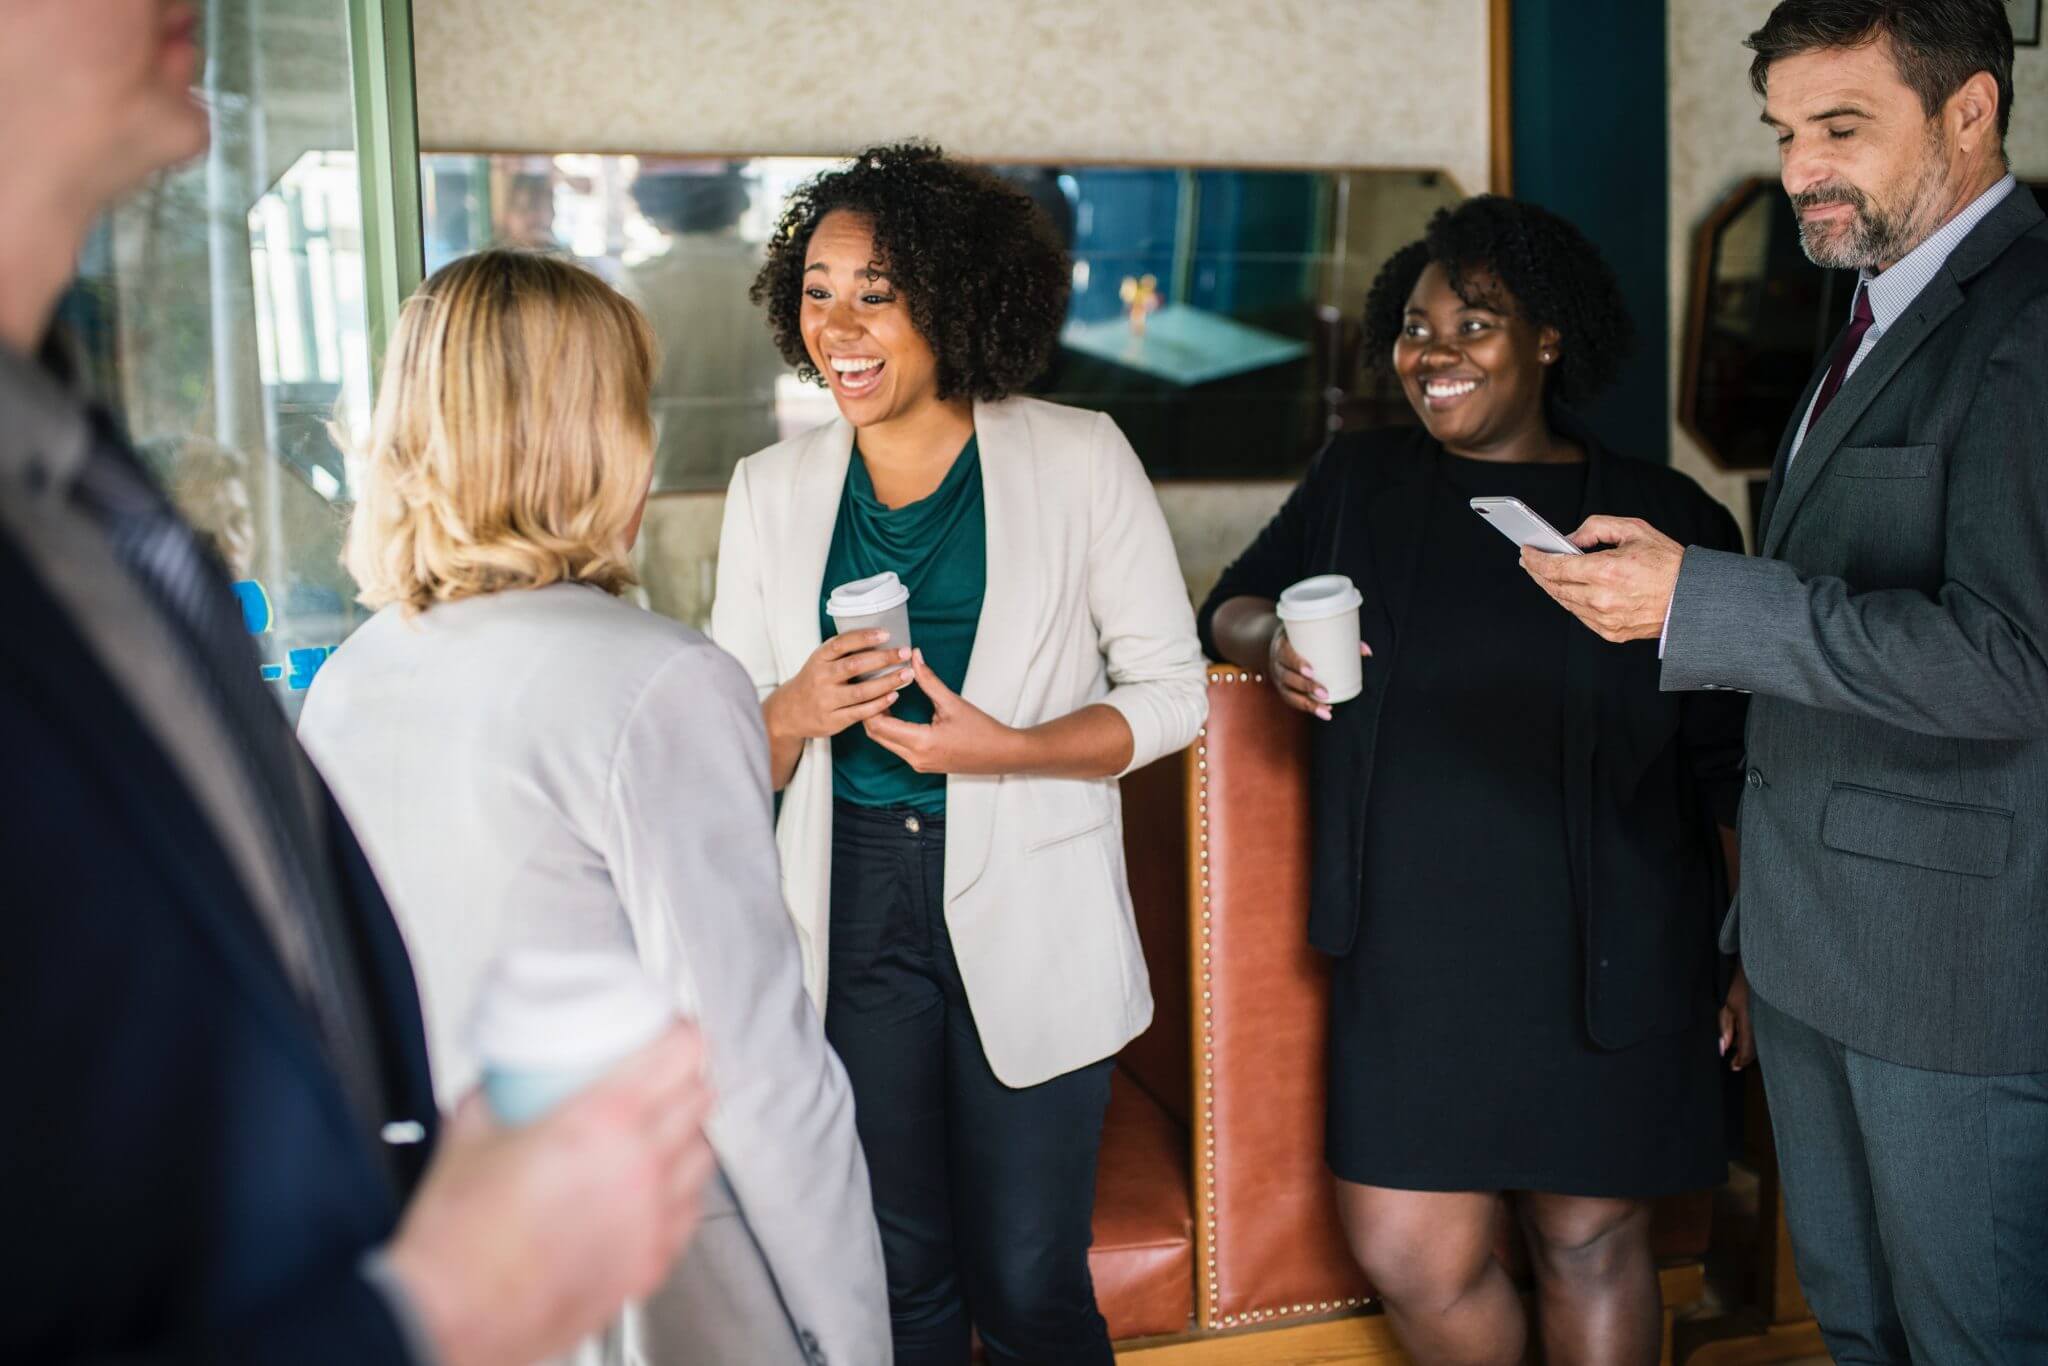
x=1550, y=274
x=974, y=260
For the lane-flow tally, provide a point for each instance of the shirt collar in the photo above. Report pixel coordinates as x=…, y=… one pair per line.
x=1892, y=291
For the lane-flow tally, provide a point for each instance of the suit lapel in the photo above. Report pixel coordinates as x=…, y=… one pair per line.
x=1007, y=631
x=1004, y=634
x=1396, y=528
x=1940, y=298
x=1582, y=682
x=813, y=512
x=1778, y=464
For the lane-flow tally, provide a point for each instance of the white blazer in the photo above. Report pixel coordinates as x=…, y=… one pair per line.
x=557, y=768
x=1085, y=603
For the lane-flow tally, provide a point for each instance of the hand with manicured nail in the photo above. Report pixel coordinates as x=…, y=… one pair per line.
x=962, y=738
x=1294, y=678
x=828, y=694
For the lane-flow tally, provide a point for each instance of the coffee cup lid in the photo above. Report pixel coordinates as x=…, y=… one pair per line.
x=1325, y=595
x=866, y=597
x=566, y=1009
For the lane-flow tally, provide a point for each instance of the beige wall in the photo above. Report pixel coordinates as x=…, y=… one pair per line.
x=1716, y=142
x=1238, y=82
x=1327, y=82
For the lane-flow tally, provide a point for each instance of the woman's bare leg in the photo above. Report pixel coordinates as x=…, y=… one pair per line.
x=1598, y=1301
x=1429, y=1256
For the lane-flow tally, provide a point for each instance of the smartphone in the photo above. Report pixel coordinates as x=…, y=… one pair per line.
x=1520, y=523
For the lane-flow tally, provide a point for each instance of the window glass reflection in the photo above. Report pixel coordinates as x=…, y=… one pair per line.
x=220, y=315
x=1214, y=312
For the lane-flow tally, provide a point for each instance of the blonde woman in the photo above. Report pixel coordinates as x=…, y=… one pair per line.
x=532, y=762
x=950, y=830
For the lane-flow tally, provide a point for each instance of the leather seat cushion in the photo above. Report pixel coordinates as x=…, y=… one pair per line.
x=1143, y=1259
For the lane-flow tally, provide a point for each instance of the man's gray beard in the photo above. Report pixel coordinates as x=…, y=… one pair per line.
x=1869, y=239
x=1872, y=236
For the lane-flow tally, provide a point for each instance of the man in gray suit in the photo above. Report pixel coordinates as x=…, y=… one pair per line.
x=1894, y=913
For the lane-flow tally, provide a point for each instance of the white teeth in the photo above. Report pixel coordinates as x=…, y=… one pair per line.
x=854, y=365
x=1448, y=388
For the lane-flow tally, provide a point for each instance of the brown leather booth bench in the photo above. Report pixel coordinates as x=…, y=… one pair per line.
x=1216, y=1239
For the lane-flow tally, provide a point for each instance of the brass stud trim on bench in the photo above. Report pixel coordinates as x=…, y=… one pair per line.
x=1206, y=1091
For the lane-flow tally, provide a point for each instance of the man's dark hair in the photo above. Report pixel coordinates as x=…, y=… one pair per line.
x=1541, y=268
x=1938, y=44
x=973, y=258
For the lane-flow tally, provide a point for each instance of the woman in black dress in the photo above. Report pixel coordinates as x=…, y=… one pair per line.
x=1516, y=860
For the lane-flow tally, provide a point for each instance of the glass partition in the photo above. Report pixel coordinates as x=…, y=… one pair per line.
x=1214, y=311
x=221, y=315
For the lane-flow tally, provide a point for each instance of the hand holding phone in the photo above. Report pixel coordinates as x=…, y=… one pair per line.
x=1520, y=523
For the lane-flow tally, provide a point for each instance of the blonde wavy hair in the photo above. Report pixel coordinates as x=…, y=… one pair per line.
x=512, y=440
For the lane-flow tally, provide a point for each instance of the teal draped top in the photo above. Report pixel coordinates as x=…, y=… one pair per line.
x=938, y=547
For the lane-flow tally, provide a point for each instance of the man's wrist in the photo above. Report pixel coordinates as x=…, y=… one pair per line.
x=1670, y=601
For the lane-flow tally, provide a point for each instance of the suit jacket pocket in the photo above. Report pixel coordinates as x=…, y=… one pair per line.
x=1067, y=836
x=1063, y=810
x=1883, y=462
x=1947, y=837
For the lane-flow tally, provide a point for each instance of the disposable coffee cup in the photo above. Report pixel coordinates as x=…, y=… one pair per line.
x=1321, y=616
x=549, y=1024
x=880, y=602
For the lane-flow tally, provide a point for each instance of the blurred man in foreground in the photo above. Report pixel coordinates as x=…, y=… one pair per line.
x=221, y=1145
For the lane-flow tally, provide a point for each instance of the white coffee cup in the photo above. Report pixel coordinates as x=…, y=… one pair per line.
x=1321, y=617
x=879, y=602
x=548, y=1024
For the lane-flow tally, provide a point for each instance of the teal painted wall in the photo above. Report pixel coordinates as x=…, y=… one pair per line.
x=1591, y=115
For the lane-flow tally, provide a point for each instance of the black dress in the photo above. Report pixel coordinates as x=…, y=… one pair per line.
x=1460, y=1057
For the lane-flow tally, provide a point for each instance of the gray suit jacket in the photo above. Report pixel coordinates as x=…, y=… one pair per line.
x=1895, y=632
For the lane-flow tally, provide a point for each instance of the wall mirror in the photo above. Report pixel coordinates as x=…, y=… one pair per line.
x=1214, y=314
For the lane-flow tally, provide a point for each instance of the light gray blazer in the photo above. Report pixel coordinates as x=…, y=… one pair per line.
x=1085, y=603
x=1895, y=633
x=556, y=767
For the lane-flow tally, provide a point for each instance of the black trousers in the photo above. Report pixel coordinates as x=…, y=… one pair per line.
x=984, y=1193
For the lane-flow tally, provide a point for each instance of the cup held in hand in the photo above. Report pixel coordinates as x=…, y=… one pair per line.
x=879, y=602
x=549, y=1024
x=1321, y=617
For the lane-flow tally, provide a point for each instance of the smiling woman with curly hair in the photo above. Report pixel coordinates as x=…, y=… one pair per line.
x=981, y=276
x=1530, y=1032
x=971, y=940
x=1516, y=259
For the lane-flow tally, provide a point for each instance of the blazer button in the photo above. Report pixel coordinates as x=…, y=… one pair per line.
x=1756, y=778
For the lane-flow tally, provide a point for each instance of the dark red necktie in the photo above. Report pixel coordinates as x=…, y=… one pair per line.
x=1844, y=354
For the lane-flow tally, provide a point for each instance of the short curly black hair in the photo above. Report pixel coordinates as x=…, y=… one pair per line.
x=1552, y=277
x=976, y=262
